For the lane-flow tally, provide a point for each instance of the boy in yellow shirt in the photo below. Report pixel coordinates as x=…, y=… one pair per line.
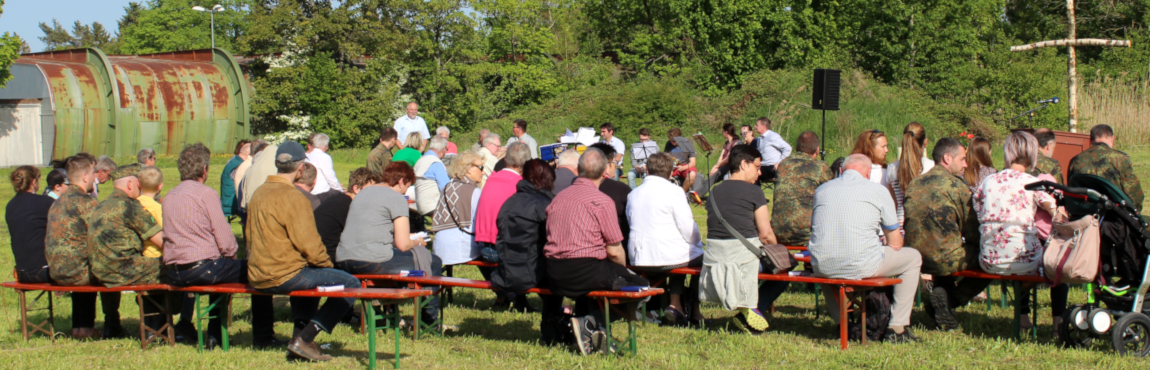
x=151, y=181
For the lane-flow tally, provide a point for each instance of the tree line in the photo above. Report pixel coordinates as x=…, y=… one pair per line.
x=348, y=66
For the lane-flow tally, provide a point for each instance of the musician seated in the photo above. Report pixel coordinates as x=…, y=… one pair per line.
x=685, y=170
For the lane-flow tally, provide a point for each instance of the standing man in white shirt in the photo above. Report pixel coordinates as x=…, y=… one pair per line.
x=412, y=123
x=773, y=148
x=519, y=134
x=318, y=157
x=607, y=134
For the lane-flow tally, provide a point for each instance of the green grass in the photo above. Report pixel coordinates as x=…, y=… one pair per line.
x=489, y=339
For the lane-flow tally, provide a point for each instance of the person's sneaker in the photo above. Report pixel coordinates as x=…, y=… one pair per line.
x=898, y=338
x=601, y=343
x=306, y=350
x=585, y=329
x=694, y=197
x=940, y=310
x=751, y=321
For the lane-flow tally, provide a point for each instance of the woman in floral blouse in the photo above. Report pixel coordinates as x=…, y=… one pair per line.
x=1006, y=212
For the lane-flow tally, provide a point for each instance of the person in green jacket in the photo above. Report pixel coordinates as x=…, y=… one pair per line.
x=228, y=181
x=412, y=150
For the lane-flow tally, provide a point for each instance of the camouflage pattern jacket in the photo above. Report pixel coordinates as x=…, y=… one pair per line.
x=939, y=216
x=66, y=247
x=799, y=176
x=119, y=227
x=1049, y=166
x=1113, y=165
x=378, y=159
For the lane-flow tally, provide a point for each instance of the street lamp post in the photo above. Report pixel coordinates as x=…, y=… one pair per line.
x=215, y=9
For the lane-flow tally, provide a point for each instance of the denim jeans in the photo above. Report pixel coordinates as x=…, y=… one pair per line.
x=632, y=176
x=227, y=270
x=399, y=261
x=310, y=278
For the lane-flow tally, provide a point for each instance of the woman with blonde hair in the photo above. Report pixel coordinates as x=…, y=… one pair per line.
x=873, y=144
x=453, y=216
x=412, y=150
x=911, y=163
x=1006, y=211
x=1010, y=244
x=978, y=162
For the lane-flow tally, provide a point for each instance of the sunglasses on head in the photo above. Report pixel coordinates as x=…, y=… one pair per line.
x=876, y=131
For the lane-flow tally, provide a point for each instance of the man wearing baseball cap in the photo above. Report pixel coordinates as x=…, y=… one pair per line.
x=286, y=254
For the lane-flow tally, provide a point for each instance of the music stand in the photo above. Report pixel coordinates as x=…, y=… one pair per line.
x=703, y=144
x=685, y=145
x=640, y=152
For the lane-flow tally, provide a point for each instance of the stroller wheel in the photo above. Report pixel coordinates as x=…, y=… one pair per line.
x=1131, y=335
x=1070, y=334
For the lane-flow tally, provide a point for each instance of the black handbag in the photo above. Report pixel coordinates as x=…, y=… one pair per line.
x=775, y=257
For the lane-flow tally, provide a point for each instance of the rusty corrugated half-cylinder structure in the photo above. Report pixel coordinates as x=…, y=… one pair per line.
x=117, y=105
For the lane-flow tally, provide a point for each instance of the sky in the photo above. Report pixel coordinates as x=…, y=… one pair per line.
x=24, y=16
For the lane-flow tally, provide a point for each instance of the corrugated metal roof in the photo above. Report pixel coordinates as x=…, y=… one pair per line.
x=119, y=104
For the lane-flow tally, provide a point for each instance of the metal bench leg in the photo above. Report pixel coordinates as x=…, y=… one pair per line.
x=862, y=312
x=204, y=314
x=392, y=322
x=842, y=295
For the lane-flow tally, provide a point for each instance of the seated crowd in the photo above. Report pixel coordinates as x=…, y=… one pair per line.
x=570, y=226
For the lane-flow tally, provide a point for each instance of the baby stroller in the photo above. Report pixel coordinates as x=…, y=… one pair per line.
x=1123, y=274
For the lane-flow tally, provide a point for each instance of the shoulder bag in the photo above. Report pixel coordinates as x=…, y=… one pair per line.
x=1072, y=252
x=775, y=257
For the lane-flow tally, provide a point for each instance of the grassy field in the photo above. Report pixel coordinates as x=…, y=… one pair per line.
x=491, y=339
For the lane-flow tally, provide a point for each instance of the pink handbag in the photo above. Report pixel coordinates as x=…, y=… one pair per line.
x=1072, y=252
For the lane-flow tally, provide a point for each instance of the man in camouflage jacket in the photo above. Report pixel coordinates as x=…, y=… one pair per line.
x=942, y=225
x=120, y=225
x=66, y=250
x=380, y=156
x=799, y=176
x=1046, y=164
x=118, y=228
x=1103, y=161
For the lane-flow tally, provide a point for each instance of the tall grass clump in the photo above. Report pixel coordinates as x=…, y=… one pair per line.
x=1120, y=104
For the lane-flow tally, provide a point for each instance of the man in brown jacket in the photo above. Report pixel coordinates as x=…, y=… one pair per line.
x=286, y=254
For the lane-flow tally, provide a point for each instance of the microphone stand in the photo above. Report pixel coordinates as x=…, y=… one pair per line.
x=1030, y=114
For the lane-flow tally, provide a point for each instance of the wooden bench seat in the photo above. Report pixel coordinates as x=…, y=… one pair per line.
x=366, y=296
x=848, y=297
x=605, y=298
x=1017, y=281
x=48, y=326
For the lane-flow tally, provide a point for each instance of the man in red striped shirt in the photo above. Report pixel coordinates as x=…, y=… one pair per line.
x=584, y=248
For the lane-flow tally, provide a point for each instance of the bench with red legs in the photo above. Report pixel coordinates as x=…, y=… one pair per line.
x=48, y=327
x=605, y=299
x=1017, y=280
x=848, y=292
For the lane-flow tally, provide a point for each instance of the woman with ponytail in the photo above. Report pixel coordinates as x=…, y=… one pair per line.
x=911, y=163
x=27, y=218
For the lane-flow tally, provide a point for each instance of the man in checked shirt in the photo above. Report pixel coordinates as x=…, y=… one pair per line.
x=200, y=248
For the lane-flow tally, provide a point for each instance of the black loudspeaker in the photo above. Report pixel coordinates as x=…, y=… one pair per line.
x=826, y=89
